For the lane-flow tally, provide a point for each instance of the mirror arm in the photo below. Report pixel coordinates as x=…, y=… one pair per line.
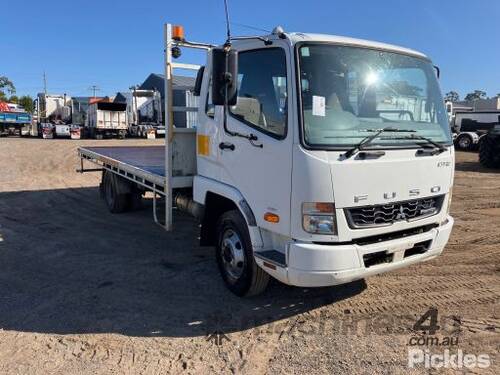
x=266, y=41
x=438, y=71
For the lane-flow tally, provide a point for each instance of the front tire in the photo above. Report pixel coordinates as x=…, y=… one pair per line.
x=234, y=255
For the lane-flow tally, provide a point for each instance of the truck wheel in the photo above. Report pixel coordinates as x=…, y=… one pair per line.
x=464, y=142
x=116, y=202
x=99, y=135
x=489, y=152
x=234, y=256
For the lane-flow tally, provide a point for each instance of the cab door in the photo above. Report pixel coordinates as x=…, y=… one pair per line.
x=261, y=168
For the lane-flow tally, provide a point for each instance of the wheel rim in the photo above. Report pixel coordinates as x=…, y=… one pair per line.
x=464, y=142
x=232, y=255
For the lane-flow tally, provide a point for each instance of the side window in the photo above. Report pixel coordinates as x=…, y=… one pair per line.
x=262, y=93
x=209, y=106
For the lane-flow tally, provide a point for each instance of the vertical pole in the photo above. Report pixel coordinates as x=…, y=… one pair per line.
x=168, y=126
x=44, y=83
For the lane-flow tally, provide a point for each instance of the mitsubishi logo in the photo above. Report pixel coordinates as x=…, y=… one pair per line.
x=401, y=214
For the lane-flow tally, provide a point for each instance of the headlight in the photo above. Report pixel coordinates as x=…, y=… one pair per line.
x=319, y=218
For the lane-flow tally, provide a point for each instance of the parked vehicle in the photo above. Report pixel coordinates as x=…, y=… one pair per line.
x=470, y=127
x=107, y=119
x=315, y=181
x=14, y=123
x=14, y=120
x=55, y=111
x=144, y=113
x=489, y=151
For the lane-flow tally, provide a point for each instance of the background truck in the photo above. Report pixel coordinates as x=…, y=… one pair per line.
x=106, y=119
x=314, y=181
x=14, y=120
x=144, y=111
x=54, y=115
x=470, y=127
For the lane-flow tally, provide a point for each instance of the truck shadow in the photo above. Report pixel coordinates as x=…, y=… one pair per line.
x=67, y=266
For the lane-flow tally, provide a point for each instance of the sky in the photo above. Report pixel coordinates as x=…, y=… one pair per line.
x=116, y=44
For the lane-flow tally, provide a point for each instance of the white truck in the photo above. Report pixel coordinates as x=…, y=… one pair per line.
x=106, y=119
x=144, y=113
x=54, y=115
x=471, y=126
x=298, y=167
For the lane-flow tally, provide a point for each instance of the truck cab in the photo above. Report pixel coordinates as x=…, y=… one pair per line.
x=334, y=162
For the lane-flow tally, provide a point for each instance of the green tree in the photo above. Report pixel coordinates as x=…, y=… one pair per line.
x=476, y=95
x=26, y=102
x=452, y=96
x=14, y=99
x=6, y=84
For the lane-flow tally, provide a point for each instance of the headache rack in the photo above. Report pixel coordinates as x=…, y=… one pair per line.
x=152, y=167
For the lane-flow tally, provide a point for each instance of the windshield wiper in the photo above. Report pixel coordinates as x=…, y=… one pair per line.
x=439, y=148
x=365, y=141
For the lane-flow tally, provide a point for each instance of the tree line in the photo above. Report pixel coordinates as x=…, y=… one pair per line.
x=8, y=94
x=453, y=96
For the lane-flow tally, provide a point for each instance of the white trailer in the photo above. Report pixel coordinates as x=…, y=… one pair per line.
x=471, y=126
x=106, y=119
x=310, y=180
x=144, y=113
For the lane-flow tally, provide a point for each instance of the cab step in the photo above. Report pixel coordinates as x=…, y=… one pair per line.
x=272, y=256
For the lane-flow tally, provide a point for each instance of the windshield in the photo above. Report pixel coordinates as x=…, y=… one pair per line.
x=347, y=91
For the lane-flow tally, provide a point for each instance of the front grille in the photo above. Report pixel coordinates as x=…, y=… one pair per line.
x=387, y=214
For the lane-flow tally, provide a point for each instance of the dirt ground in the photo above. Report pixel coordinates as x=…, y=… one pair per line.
x=83, y=291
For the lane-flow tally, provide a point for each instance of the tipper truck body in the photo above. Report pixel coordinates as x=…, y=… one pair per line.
x=107, y=119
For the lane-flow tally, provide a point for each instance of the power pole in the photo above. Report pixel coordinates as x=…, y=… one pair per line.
x=44, y=83
x=94, y=88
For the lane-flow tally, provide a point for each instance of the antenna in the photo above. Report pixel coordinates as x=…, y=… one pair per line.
x=250, y=27
x=94, y=88
x=227, y=23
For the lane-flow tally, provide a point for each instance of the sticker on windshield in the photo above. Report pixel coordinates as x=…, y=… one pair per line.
x=318, y=106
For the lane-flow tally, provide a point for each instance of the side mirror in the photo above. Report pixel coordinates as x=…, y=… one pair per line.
x=199, y=81
x=224, y=76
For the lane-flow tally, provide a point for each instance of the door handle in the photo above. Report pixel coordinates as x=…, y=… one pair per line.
x=226, y=146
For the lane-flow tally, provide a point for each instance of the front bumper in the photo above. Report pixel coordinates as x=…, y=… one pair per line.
x=315, y=265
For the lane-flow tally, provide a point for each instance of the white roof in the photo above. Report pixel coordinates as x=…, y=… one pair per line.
x=306, y=37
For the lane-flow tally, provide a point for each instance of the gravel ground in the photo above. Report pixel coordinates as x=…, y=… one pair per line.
x=85, y=291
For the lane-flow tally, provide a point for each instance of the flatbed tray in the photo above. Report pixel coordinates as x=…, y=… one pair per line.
x=142, y=164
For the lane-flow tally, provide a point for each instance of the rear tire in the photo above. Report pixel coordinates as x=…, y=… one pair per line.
x=116, y=202
x=489, y=151
x=235, y=259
